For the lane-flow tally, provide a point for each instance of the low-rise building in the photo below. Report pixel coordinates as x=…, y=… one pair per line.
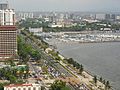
x=100, y=16
x=118, y=17
x=23, y=87
x=24, y=15
x=55, y=25
x=35, y=30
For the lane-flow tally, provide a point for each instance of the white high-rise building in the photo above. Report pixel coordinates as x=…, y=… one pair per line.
x=24, y=15
x=100, y=16
x=8, y=33
x=7, y=17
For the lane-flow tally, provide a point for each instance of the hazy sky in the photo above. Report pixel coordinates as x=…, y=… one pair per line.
x=65, y=5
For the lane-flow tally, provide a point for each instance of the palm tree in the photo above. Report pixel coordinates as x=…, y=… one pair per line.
x=101, y=79
x=10, y=61
x=12, y=79
x=81, y=69
x=107, y=85
x=95, y=79
x=15, y=72
x=21, y=72
x=1, y=73
x=104, y=81
x=27, y=72
x=58, y=85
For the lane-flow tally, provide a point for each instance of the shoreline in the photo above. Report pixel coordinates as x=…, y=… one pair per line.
x=84, y=42
x=88, y=73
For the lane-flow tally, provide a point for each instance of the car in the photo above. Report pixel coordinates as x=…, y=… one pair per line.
x=35, y=76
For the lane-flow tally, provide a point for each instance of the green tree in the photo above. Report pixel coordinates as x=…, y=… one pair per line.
x=12, y=79
x=27, y=71
x=95, y=79
x=58, y=85
x=101, y=79
x=14, y=71
x=104, y=81
x=1, y=86
x=107, y=85
x=81, y=69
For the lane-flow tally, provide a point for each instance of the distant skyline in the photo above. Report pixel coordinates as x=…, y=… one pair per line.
x=66, y=5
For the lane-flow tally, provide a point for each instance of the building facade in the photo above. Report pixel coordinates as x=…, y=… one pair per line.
x=8, y=33
x=23, y=87
x=35, y=30
x=7, y=17
x=3, y=6
x=25, y=15
x=8, y=41
x=100, y=16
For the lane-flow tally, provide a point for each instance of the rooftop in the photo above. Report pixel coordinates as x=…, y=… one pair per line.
x=17, y=85
x=8, y=27
x=21, y=85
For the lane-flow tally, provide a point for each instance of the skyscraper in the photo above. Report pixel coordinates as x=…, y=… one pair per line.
x=7, y=17
x=100, y=16
x=8, y=33
x=3, y=5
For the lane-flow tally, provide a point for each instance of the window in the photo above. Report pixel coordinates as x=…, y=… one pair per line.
x=29, y=88
x=34, y=88
x=39, y=88
x=14, y=89
x=24, y=88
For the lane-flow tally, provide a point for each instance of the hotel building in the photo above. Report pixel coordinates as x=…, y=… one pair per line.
x=8, y=33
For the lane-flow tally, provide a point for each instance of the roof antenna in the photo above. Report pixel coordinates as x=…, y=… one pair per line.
x=7, y=4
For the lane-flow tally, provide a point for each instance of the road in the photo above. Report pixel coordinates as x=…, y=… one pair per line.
x=37, y=74
x=50, y=60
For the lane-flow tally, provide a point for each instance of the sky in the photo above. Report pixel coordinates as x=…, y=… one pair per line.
x=65, y=5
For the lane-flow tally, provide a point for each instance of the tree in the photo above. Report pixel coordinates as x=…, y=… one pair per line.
x=14, y=72
x=12, y=79
x=35, y=54
x=19, y=81
x=95, y=79
x=101, y=79
x=81, y=69
x=104, y=81
x=27, y=71
x=70, y=60
x=7, y=73
x=77, y=65
x=26, y=59
x=10, y=61
x=107, y=85
x=58, y=85
x=1, y=86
